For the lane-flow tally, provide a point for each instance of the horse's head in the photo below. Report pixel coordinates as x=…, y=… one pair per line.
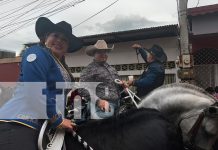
x=189, y=107
x=200, y=131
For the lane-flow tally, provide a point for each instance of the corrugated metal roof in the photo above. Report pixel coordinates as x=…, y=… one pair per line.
x=130, y=35
x=203, y=10
x=6, y=54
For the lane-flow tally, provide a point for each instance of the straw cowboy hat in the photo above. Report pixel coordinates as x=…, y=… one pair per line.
x=45, y=26
x=158, y=53
x=100, y=45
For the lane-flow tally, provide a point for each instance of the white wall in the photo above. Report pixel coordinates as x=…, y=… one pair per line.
x=124, y=54
x=205, y=24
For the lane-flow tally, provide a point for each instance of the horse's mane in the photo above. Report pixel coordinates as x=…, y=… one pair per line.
x=177, y=98
x=190, y=88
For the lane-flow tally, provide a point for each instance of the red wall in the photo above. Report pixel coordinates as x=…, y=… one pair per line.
x=204, y=42
x=9, y=72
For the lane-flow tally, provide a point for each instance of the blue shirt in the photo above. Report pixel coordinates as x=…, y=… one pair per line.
x=151, y=78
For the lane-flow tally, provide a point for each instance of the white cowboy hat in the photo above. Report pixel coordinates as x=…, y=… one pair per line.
x=100, y=45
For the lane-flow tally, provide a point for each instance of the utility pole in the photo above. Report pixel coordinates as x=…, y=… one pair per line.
x=185, y=62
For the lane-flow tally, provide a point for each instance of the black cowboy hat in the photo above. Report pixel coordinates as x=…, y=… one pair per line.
x=158, y=53
x=45, y=26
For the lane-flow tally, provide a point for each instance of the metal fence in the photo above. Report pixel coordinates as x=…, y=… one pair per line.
x=206, y=67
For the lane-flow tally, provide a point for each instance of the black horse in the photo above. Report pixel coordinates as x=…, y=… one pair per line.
x=138, y=129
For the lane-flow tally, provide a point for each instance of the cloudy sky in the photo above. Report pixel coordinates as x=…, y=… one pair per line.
x=15, y=29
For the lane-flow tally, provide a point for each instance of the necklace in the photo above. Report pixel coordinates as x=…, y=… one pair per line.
x=64, y=73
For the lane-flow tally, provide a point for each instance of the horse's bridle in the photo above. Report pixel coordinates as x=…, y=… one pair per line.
x=195, y=128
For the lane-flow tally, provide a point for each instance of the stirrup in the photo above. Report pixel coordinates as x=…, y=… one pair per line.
x=56, y=141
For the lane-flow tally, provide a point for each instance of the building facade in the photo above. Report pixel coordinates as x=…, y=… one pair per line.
x=7, y=54
x=203, y=23
x=204, y=39
x=124, y=58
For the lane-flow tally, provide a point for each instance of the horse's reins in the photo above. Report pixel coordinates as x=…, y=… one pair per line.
x=80, y=140
x=83, y=142
x=131, y=94
x=74, y=134
x=194, y=129
x=137, y=56
x=60, y=136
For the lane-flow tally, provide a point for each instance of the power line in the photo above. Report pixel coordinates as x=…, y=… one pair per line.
x=26, y=13
x=16, y=10
x=18, y=24
x=64, y=7
x=197, y=3
x=95, y=14
x=21, y=15
x=6, y=2
x=45, y=4
x=51, y=11
x=11, y=26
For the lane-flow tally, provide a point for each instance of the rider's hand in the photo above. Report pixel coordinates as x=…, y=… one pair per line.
x=136, y=46
x=67, y=124
x=103, y=105
x=130, y=82
x=125, y=83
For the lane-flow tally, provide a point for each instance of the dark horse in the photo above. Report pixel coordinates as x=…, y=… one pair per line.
x=193, y=121
x=137, y=129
